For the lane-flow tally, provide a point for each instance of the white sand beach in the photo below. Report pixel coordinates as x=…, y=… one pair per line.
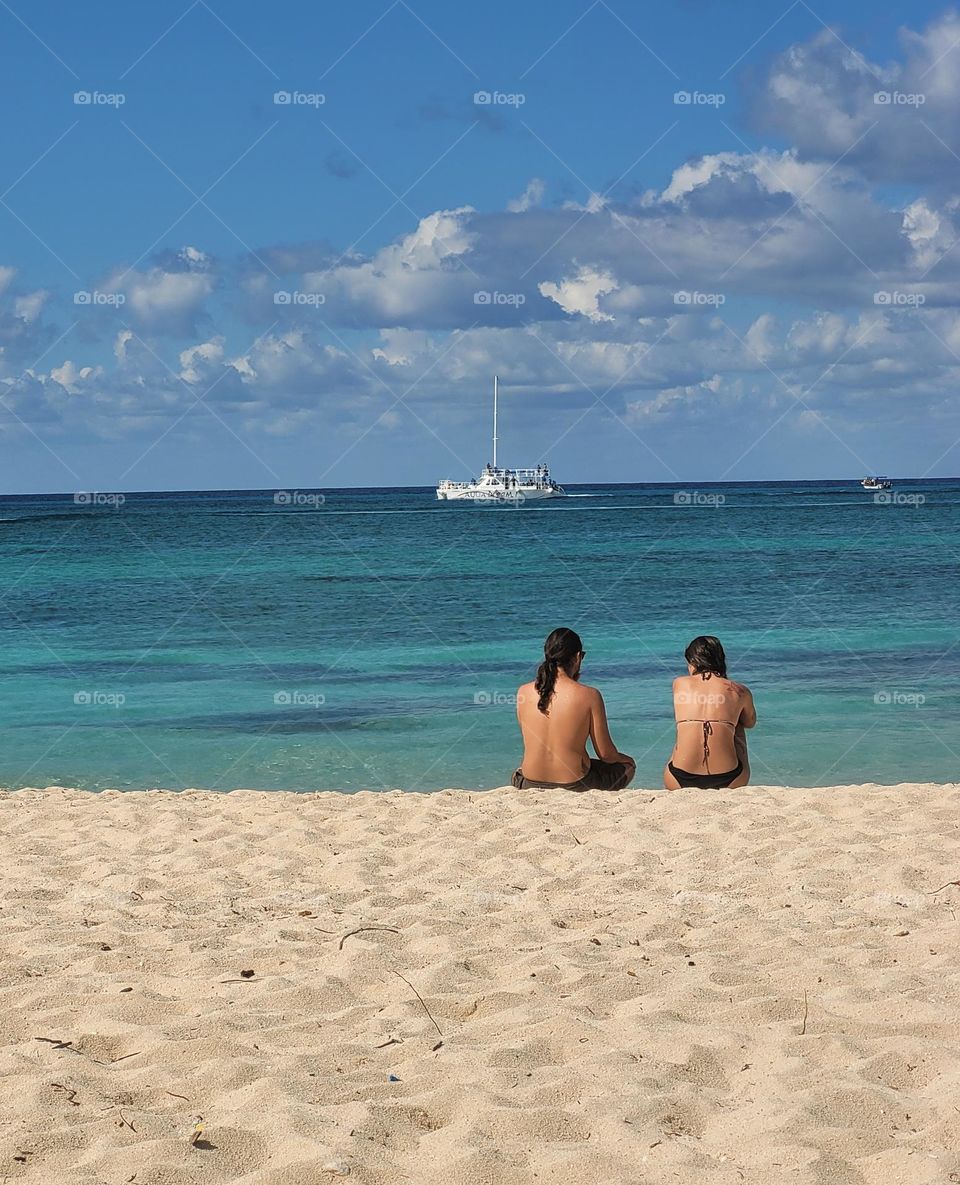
x=494, y=988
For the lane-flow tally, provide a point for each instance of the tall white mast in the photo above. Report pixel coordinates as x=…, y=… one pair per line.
x=494, y=421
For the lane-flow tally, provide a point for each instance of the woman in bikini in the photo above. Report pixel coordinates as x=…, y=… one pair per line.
x=712, y=712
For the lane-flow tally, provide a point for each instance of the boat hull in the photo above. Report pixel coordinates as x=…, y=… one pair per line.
x=497, y=497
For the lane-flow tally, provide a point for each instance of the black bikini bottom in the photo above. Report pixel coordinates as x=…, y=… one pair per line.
x=706, y=781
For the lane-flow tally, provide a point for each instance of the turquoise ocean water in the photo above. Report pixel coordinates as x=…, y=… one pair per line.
x=374, y=639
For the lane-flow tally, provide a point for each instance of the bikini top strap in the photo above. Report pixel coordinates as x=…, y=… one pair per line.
x=694, y=720
x=707, y=734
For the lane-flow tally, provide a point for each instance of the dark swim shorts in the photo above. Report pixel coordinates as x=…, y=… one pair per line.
x=602, y=775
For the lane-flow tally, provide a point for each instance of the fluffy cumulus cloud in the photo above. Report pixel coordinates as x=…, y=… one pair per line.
x=580, y=293
x=169, y=295
x=751, y=279
x=765, y=224
x=531, y=196
x=695, y=399
x=196, y=362
x=24, y=335
x=893, y=122
x=423, y=276
x=73, y=378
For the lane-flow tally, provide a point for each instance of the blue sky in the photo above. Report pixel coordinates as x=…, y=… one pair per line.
x=757, y=282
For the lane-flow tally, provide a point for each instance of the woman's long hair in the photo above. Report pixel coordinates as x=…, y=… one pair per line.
x=559, y=650
x=706, y=656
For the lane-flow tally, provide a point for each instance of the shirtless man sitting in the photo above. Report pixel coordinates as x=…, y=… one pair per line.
x=557, y=714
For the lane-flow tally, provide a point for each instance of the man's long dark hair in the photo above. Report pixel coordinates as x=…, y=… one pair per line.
x=559, y=650
x=706, y=656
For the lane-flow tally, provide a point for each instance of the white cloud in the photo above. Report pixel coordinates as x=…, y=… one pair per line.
x=894, y=122
x=581, y=293
x=593, y=205
x=400, y=346
x=169, y=295
x=29, y=306
x=72, y=377
x=692, y=400
x=531, y=196
x=197, y=361
x=159, y=298
x=120, y=343
x=694, y=173
x=421, y=275
x=760, y=336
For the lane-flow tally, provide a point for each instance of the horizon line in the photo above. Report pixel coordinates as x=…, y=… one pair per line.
x=432, y=486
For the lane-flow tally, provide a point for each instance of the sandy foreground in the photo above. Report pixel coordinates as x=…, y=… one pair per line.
x=711, y=986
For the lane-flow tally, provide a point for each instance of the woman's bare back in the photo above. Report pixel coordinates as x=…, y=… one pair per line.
x=708, y=711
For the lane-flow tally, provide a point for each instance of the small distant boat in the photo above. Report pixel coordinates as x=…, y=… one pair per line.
x=499, y=486
x=876, y=483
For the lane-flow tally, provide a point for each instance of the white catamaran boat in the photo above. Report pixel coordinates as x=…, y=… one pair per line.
x=876, y=483
x=501, y=486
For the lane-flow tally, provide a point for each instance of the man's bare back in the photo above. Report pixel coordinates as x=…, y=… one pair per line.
x=555, y=734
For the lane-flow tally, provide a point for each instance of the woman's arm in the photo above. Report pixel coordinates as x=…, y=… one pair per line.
x=748, y=713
